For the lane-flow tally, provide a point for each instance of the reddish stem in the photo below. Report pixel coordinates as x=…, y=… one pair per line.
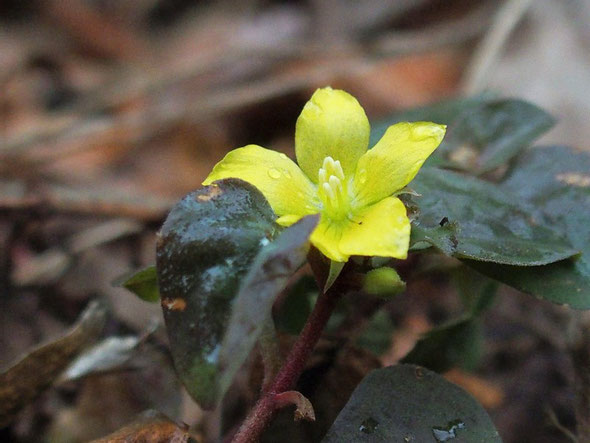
x=264, y=410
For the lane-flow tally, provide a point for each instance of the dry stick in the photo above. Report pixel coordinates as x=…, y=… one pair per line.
x=265, y=408
x=491, y=46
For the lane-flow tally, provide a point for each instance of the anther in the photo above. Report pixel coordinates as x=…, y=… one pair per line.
x=335, y=183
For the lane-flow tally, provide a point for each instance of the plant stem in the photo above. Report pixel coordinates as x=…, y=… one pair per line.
x=264, y=410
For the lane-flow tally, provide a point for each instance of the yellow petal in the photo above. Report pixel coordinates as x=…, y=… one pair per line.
x=395, y=160
x=381, y=230
x=279, y=179
x=332, y=124
x=326, y=237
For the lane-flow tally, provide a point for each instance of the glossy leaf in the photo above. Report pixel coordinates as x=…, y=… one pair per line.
x=267, y=277
x=495, y=130
x=205, y=248
x=143, y=283
x=468, y=218
x=446, y=113
x=22, y=382
x=409, y=403
x=498, y=130
x=557, y=181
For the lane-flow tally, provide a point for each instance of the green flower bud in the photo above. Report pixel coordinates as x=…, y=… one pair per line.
x=383, y=282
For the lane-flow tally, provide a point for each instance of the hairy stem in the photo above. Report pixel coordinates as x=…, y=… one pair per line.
x=265, y=408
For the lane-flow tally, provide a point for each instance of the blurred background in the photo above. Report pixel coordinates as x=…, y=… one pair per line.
x=110, y=111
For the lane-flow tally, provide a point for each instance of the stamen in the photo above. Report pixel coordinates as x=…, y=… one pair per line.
x=335, y=183
x=329, y=192
x=332, y=189
x=338, y=170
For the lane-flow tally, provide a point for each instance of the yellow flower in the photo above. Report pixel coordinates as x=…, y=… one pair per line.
x=351, y=187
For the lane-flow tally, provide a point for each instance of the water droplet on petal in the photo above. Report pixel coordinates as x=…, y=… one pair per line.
x=274, y=173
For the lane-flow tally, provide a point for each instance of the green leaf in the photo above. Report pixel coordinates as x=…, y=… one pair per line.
x=267, y=277
x=444, y=113
x=205, y=248
x=297, y=305
x=477, y=291
x=377, y=336
x=498, y=130
x=455, y=343
x=468, y=218
x=409, y=403
x=557, y=181
x=143, y=283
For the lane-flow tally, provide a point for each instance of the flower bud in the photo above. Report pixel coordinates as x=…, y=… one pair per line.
x=383, y=282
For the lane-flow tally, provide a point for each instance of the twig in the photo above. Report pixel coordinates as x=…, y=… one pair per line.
x=488, y=51
x=555, y=422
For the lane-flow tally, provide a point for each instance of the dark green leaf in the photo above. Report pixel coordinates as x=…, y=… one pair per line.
x=556, y=180
x=444, y=113
x=143, y=283
x=456, y=343
x=409, y=403
x=267, y=277
x=468, y=218
x=498, y=130
x=477, y=291
x=24, y=381
x=378, y=334
x=297, y=305
x=204, y=250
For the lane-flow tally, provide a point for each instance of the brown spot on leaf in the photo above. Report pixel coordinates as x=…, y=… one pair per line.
x=419, y=372
x=574, y=179
x=174, y=304
x=211, y=192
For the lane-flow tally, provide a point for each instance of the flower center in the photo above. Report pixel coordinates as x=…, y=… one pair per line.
x=332, y=189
